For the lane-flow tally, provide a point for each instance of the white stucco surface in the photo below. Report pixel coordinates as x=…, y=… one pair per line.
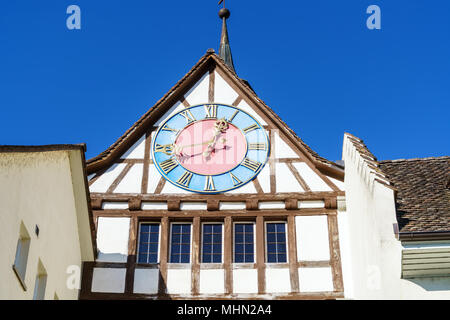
x=315, y=279
x=311, y=204
x=282, y=150
x=264, y=178
x=199, y=92
x=179, y=281
x=136, y=151
x=286, y=181
x=271, y=205
x=223, y=93
x=278, y=280
x=104, y=182
x=132, y=181
x=109, y=280
x=154, y=205
x=112, y=239
x=153, y=178
x=312, y=238
x=212, y=281
x=224, y=205
x=245, y=281
x=187, y=205
x=312, y=179
x=146, y=281
x=44, y=189
x=107, y=205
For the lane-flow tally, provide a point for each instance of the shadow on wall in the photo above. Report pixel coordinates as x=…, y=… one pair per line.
x=432, y=284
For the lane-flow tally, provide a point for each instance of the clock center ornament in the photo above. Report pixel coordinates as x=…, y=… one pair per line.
x=210, y=148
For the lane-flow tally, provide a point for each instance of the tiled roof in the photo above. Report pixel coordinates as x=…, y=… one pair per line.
x=423, y=197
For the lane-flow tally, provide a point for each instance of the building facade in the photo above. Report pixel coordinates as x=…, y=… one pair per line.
x=46, y=231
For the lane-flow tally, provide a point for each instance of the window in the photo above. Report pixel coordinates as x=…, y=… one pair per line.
x=180, y=244
x=148, y=243
x=212, y=243
x=276, y=242
x=20, y=261
x=244, y=243
x=40, y=283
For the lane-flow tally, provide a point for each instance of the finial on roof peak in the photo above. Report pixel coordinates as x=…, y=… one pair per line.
x=225, y=50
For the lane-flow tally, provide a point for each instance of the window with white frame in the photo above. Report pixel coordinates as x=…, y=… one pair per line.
x=244, y=243
x=148, y=248
x=180, y=243
x=212, y=237
x=276, y=242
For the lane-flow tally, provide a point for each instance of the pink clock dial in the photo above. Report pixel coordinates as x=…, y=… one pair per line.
x=210, y=147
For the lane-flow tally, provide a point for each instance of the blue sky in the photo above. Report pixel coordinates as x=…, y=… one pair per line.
x=314, y=62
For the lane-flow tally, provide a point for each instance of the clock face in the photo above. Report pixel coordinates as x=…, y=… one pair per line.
x=210, y=148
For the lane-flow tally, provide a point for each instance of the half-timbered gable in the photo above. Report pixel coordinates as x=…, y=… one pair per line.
x=295, y=190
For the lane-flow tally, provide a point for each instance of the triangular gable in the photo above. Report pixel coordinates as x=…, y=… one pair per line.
x=211, y=81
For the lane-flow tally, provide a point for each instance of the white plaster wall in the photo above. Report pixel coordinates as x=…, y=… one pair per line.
x=112, y=239
x=114, y=205
x=375, y=253
x=153, y=178
x=224, y=205
x=244, y=106
x=179, y=281
x=44, y=189
x=146, y=281
x=248, y=188
x=212, y=281
x=264, y=178
x=132, y=181
x=271, y=205
x=286, y=181
x=136, y=151
x=311, y=204
x=174, y=109
x=312, y=238
x=282, y=150
x=278, y=280
x=154, y=205
x=223, y=93
x=199, y=92
x=185, y=205
x=337, y=183
x=171, y=189
x=315, y=279
x=109, y=280
x=312, y=179
x=245, y=281
x=345, y=250
x=102, y=184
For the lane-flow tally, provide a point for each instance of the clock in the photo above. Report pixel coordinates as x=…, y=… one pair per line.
x=210, y=148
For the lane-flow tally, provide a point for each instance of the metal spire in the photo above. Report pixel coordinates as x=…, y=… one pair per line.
x=225, y=50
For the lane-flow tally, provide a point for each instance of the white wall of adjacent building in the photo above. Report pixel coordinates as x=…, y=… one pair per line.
x=44, y=189
x=371, y=249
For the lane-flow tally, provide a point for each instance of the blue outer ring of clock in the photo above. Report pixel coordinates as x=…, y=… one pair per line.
x=178, y=171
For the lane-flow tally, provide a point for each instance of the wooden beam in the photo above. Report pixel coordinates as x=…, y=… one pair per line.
x=227, y=255
x=292, y=243
x=260, y=255
x=195, y=278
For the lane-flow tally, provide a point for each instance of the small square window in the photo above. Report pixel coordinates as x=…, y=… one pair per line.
x=212, y=243
x=148, y=243
x=276, y=242
x=243, y=243
x=180, y=244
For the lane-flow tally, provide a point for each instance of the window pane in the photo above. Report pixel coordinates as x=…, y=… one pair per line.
x=243, y=244
x=148, y=243
x=276, y=243
x=212, y=243
x=180, y=248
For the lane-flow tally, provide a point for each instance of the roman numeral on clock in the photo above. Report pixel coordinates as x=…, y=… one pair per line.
x=185, y=179
x=257, y=146
x=251, y=164
x=167, y=148
x=234, y=115
x=235, y=180
x=187, y=114
x=251, y=128
x=168, y=165
x=209, y=184
x=211, y=111
x=167, y=128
